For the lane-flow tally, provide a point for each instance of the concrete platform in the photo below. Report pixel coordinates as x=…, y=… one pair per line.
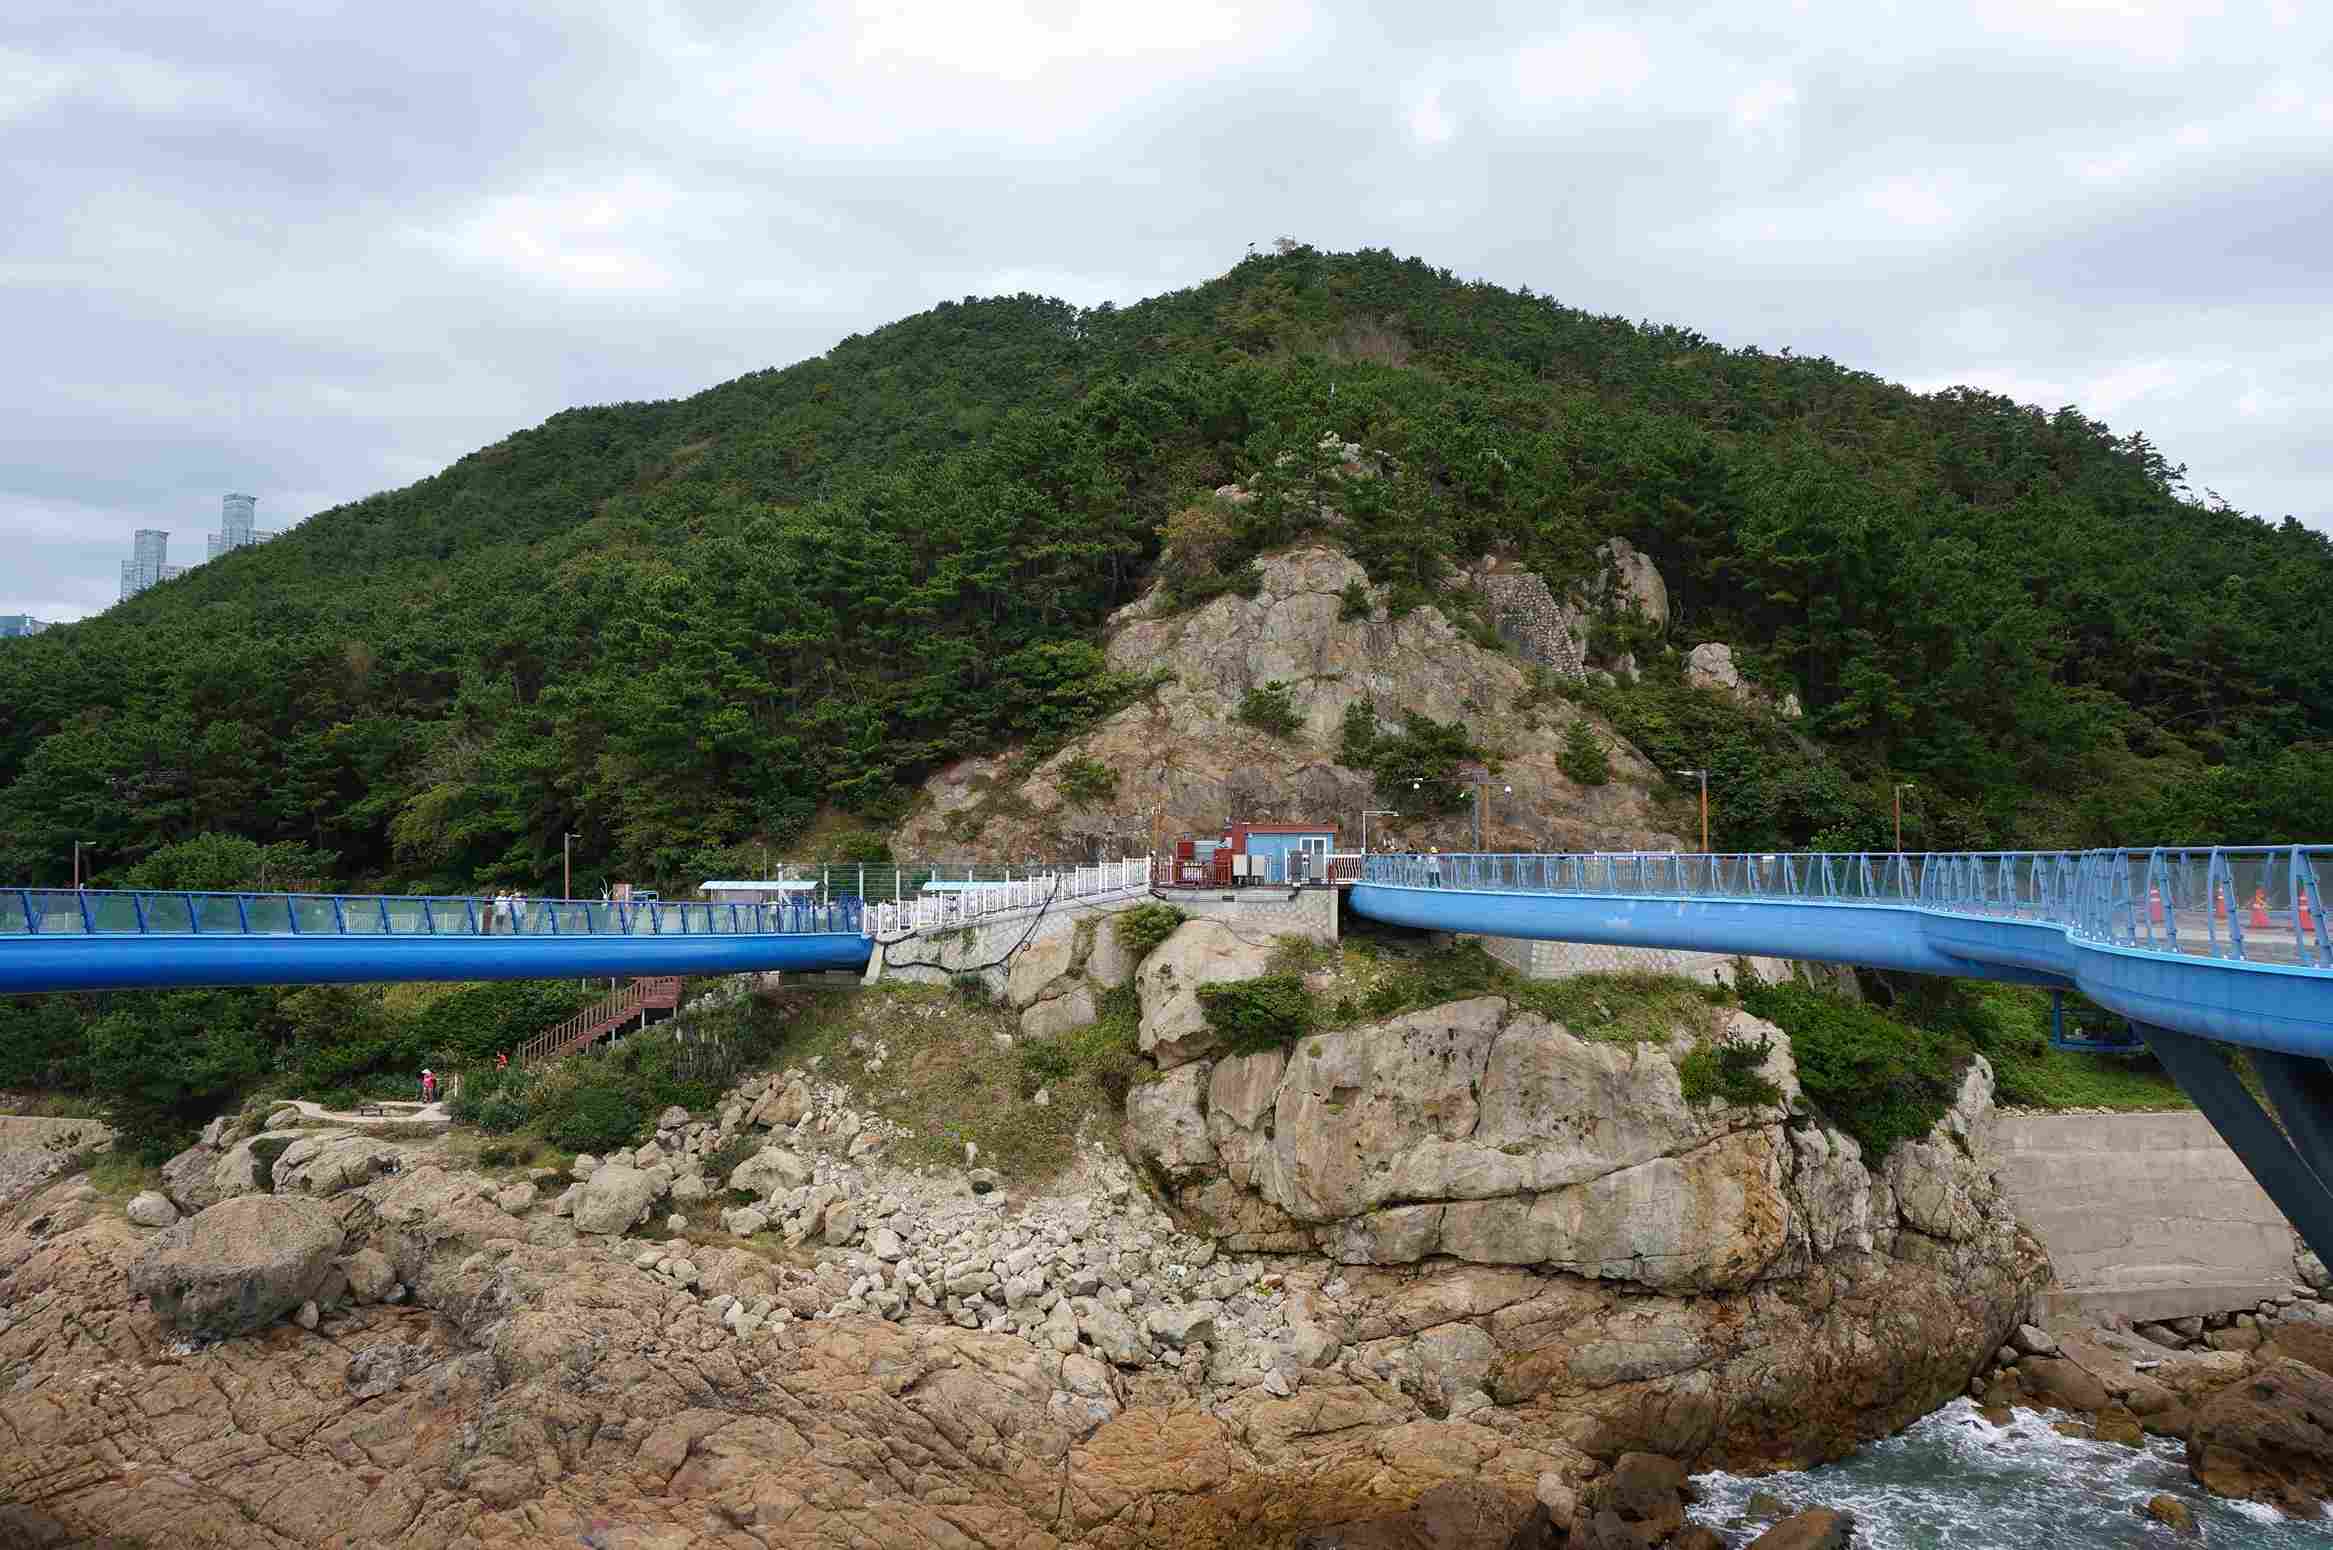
x=2148, y=1215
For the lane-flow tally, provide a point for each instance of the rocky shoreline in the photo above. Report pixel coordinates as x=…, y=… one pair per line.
x=816, y=1346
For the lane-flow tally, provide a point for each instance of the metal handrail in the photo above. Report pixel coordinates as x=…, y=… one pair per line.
x=178, y=912
x=2254, y=904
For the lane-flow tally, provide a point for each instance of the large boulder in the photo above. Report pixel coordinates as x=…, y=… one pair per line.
x=2268, y=1438
x=769, y=1170
x=1711, y=666
x=1073, y=1008
x=329, y=1163
x=1200, y=952
x=1637, y=1506
x=152, y=1208
x=1050, y=956
x=1817, y=1528
x=614, y=1198
x=238, y=1265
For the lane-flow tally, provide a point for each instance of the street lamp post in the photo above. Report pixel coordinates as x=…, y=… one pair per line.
x=1703, y=775
x=567, y=866
x=78, y=846
x=1901, y=788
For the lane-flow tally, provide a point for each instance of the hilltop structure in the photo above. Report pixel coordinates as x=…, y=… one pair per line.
x=17, y=626
x=235, y=530
x=148, y=563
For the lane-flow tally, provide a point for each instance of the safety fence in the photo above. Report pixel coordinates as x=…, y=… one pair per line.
x=2248, y=903
x=941, y=910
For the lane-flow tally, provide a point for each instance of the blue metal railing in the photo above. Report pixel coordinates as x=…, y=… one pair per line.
x=2258, y=904
x=56, y=912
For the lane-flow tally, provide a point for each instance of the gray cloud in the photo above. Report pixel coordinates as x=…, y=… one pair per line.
x=314, y=252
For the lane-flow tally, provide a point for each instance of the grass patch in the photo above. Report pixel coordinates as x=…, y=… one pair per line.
x=1391, y=979
x=948, y=1080
x=1880, y=1079
x=119, y=1175
x=1301, y=955
x=2009, y=1024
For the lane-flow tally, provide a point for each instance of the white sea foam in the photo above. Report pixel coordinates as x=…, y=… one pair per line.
x=1956, y=1481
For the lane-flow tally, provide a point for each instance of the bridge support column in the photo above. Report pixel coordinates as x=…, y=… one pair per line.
x=2292, y=1163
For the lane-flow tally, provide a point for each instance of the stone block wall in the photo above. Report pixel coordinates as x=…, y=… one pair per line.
x=1564, y=960
x=1526, y=614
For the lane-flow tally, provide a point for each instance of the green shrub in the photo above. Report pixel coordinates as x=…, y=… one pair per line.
x=1880, y=1080
x=1353, y=602
x=723, y=1160
x=591, y=1117
x=1270, y=1011
x=1728, y=1071
x=1271, y=708
x=1357, y=737
x=1584, y=757
x=1143, y=927
x=1086, y=781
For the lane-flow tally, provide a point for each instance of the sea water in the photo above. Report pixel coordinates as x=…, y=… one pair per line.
x=1955, y=1481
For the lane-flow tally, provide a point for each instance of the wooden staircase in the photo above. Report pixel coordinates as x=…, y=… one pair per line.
x=642, y=996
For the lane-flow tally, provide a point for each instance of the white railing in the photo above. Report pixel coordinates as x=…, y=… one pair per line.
x=976, y=901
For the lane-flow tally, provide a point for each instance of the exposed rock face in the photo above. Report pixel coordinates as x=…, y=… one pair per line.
x=2268, y=1438
x=1184, y=755
x=329, y=1163
x=241, y=1264
x=1200, y=952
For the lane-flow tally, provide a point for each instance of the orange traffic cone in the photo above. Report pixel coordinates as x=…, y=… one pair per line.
x=2155, y=904
x=2307, y=924
x=2219, y=902
x=2259, y=909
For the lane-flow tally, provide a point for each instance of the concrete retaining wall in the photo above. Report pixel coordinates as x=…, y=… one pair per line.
x=2149, y=1215
x=1311, y=911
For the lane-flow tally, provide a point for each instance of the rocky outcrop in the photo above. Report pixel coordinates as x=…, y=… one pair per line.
x=1200, y=952
x=238, y=1265
x=1711, y=666
x=1491, y=1135
x=2268, y=1438
x=1183, y=756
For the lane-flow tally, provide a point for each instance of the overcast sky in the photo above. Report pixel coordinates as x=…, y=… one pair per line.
x=310, y=251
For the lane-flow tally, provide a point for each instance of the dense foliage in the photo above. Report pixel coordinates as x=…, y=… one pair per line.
x=161, y=1063
x=675, y=626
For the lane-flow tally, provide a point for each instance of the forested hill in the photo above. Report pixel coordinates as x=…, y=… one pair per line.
x=678, y=627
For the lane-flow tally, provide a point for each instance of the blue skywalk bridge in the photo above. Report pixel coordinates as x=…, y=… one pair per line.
x=2199, y=949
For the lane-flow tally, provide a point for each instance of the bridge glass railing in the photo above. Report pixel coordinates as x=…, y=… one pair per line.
x=146, y=912
x=2255, y=904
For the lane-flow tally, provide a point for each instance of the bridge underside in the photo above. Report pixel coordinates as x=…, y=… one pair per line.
x=2180, y=1006
x=159, y=962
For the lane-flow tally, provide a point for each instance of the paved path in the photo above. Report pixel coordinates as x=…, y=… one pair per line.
x=2145, y=1214
x=432, y=1114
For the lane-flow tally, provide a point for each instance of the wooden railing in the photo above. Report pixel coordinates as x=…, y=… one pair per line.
x=660, y=994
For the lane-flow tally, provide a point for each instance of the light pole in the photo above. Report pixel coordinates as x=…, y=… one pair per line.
x=1368, y=813
x=1482, y=802
x=566, y=866
x=1704, y=778
x=1901, y=788
x=77, y=848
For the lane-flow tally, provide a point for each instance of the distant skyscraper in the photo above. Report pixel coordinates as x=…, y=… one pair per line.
x=17, y=626
x=235, y=529
x=148, y=562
